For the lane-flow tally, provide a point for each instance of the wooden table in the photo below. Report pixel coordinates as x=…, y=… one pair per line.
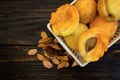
x=21, y=22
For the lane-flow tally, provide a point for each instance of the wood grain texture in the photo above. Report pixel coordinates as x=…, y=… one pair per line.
x=21, y=22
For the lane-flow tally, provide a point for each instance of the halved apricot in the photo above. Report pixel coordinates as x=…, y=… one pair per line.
x=65, y=20
x=92, y=44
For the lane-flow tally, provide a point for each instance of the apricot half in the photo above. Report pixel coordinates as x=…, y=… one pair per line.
x=65, y=20
x=92, y=44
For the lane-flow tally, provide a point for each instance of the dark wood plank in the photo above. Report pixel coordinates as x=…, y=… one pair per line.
x=16, y=64
x=22, y=20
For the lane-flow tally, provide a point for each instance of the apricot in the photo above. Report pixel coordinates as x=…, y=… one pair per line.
x=87, y=10
x=64, y=20
x=92, y=44
x=109, y=27
x=72, y=39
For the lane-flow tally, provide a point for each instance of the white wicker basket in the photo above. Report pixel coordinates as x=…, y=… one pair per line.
x=76, y=55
